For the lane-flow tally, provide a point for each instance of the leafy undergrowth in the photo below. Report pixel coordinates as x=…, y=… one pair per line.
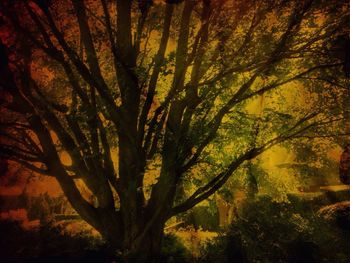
x=267, y=231
x=193, y=240
x=59, y=243
x=48, y=244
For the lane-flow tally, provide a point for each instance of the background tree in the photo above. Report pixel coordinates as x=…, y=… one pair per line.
x=119, y=86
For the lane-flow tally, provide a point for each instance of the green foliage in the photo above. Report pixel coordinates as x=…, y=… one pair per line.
x=48, y=244
x=225, y=248
x=202, y=217
x=268, y=231
x=173, y=251
x=52, y=244
x=313, y=164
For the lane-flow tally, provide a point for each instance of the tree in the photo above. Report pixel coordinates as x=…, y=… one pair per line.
x=133, y=83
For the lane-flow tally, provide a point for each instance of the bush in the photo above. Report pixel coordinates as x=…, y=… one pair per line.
x=173, y=251
x=52, y=244
x=268, y=231
x=47, y=244
x=223, y=249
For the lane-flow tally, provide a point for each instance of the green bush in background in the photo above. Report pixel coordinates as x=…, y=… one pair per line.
x=268, y=231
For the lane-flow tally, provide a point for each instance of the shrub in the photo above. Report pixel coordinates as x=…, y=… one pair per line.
x=173, y=251
x=47, y=244
x=268, y=231
x=53, y=244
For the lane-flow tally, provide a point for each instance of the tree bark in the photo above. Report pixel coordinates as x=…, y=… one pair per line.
x=124, y=247
x=149, y=250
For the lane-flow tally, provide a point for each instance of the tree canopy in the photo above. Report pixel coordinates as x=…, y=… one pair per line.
x=119, y=87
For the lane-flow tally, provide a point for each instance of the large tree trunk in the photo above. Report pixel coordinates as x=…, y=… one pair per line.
x=144, y=250
x=149, y=250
